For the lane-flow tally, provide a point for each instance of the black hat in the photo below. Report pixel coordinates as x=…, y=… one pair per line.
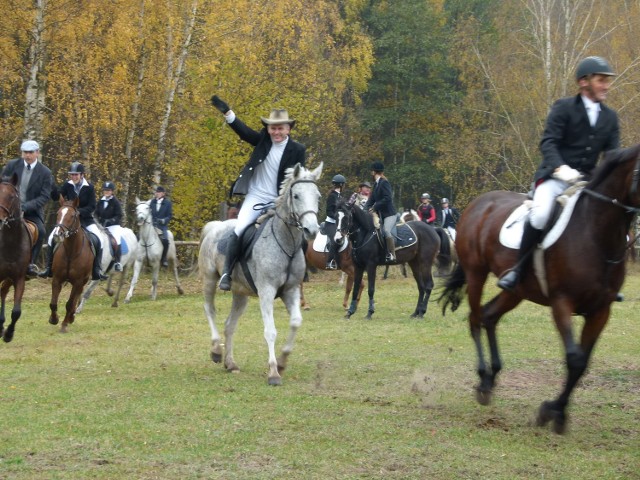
x=377, y=167
x=159, y=189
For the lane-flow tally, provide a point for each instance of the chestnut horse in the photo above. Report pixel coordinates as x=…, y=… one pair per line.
x=72, y=260
x=15, y=252
x=345, y=263
x=583, y=271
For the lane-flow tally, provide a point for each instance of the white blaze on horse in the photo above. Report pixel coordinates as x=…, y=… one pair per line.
x=275, y=267
x=150, y=251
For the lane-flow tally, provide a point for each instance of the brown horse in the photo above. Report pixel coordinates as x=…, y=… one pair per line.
x=15, y=252
x=72, y=260
x=584, y=269
x=345, y=262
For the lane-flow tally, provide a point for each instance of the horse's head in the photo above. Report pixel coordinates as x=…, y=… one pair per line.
x=143, y=212
x=299, y=198
x=67, y=220
x=9, y=200
x=344, y=221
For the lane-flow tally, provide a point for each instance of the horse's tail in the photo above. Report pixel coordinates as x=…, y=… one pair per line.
x=444, y=256
x=453, y=290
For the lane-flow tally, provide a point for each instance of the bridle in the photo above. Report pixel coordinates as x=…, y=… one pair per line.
x=295, y=219
x=69, y=231
x=13, y=210
x=615, y=201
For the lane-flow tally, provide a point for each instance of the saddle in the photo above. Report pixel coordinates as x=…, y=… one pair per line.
x=32, y=230
x=403, y=234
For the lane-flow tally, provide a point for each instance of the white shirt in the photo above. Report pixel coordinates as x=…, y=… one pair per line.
x=593, y=109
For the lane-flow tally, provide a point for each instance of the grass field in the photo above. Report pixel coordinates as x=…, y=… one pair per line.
x=131, y=393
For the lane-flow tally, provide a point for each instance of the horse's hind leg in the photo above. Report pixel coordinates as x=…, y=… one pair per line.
x=86, y=295
x=238, y=305
x=295, y=320
x=175, y=275
x=137, y=268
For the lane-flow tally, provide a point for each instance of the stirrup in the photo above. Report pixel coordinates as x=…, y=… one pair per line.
x=390, y=258
x=225, y=282
x=117, y=267
x=331, y=265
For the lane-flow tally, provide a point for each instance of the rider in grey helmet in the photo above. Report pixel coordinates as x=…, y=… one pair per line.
x=335, y=194
x=578, y=129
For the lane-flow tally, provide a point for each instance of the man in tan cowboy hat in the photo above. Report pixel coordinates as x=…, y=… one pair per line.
x=262, y=176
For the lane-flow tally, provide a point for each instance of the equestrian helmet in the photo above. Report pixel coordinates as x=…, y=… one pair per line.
x=377, y=167
x=365, y=184
x=593, y=66
x=445, y=200
x=339, y=180
x=425, y=195
x=108, y=186
x=76, y=167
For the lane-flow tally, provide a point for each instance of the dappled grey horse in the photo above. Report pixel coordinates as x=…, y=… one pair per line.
x=275, y=266
x=150, y=251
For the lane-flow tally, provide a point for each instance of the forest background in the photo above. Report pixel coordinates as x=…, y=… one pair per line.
x=450, y=95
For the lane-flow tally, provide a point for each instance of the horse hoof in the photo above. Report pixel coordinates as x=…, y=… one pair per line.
x=180, y=291
x=7, y=336
x=110, y=293
x=547, y=413
x=483, y=397
x=53, y=321
x=114, y=305
x=216, y=357
x=275, y=381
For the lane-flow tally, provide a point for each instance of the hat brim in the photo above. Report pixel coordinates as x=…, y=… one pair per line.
x=266, y=122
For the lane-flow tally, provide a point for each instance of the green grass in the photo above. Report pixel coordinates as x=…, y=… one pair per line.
x=131, y=393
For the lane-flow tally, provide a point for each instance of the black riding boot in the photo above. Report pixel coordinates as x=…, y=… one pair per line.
x=165, y=249
x=46, y=273
x=391, y=249
x=530, y=238
x=117, y=255
x=233, y=248
x=96, y=274
x=331, y=257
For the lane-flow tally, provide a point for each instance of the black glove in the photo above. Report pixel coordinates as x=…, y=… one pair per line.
x=219, y=104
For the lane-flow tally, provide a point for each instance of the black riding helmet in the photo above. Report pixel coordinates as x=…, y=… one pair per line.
x=593, y=66
x=108, y=186
x=338, y=180
x=76, y=167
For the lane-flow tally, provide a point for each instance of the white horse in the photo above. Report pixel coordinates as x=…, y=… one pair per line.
x=126, y=260
x=276, y=266
x=150, y=251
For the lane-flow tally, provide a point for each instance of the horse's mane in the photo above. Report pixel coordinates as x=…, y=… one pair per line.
x=361, y=217
x=288, y=180
x=611, y=160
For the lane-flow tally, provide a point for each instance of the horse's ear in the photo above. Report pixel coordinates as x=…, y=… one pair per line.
x=317, y=172
x=76, y=202
x=296, y=171
x=14, y=179
x=138, y=201
x=61, y=200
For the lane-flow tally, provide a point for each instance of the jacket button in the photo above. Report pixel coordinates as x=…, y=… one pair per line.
x=250, y=168
x=588, y=149
x=240, y=176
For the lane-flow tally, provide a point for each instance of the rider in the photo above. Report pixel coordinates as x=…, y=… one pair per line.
x=262, y=176
x=426, y=212
x=381, y=202
x=161, y=214
x=578, y=129
x=78, y=186
x=330, y=222
x=109, y=215
x=35, y=187
x=449, y=218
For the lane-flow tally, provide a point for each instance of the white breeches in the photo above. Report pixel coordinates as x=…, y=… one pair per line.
x=452, y=233
x=116, y=231
x=544, y=197
x=93, y=228
x=247, y=215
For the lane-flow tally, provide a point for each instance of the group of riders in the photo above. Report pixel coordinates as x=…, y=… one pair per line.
x=36, y=187
x=578, y=129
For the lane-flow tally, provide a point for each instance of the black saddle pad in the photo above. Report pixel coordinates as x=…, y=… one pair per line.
x=247, y=240
x=405, y=236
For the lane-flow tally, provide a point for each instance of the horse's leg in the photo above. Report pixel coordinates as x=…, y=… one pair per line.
x=76, y=291
x=120, y=283
x=56, y=286
x=155, y=272
x=209, y=292
x=238, y=305
x=18, y=290
x=3, y=297
x=577, y=359
x=108, y=288
x=403, y=268
x=175, y=275
x=424, y=280
x=371, y=277
x=386, y=272
x=303, y=301
x=357, y=285
x=267, y=297
x=87, y=294
x=295, y=320
x=137, y=267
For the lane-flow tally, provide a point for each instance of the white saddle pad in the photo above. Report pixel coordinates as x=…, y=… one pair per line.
x=320, y=244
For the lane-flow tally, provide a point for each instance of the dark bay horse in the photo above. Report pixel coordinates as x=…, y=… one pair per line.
x=584, y=270
x=345, y=263
x=72, y=260
x=368, y=253
x=15, y=252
